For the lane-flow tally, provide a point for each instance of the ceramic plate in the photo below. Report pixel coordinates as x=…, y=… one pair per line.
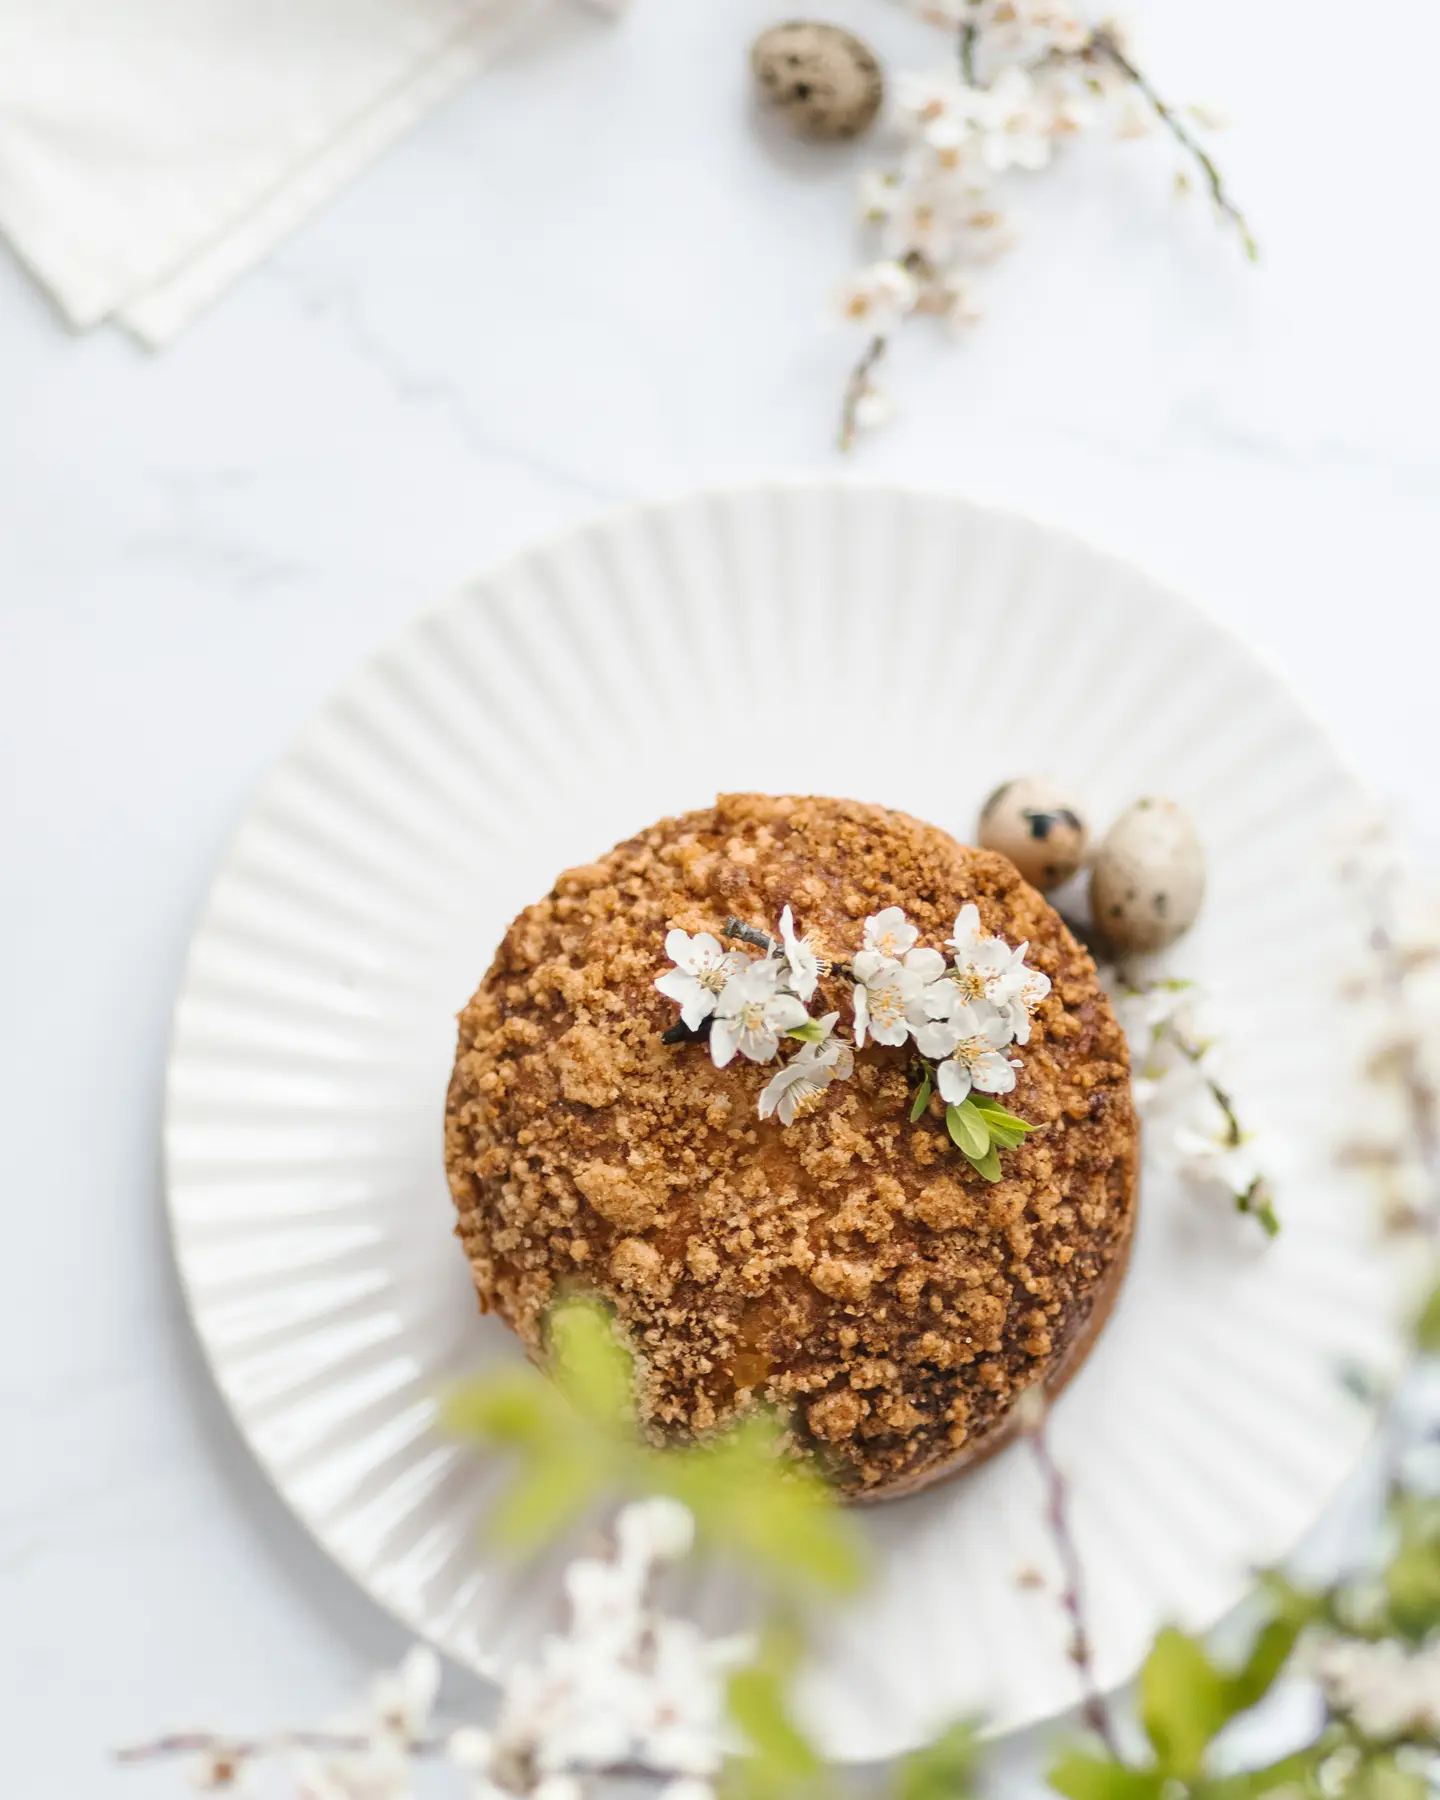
x=879, y=644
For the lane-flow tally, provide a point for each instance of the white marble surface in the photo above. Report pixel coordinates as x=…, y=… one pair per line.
x=590, y=280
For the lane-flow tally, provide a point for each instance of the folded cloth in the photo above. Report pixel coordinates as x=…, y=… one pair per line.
x=152, y=150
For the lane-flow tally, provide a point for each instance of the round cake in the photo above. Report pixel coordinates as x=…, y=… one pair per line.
x=889, y=1292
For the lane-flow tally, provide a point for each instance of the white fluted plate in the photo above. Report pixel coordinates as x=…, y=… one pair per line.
x=879, y=644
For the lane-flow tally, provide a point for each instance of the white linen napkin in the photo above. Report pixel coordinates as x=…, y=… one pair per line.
x=152, y=150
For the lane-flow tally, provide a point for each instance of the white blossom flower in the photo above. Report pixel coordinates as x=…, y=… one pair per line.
x=888, y=934
x=401, y=1701
x=971, y=1039
x=919, y=224
x=986, y=233
x=935, y=102
x=1013, y=123
x=879, y=193
x=874, y=408
x=1387, y=1690
x=1024, y=1003
x=701, y=971
x=879, y=297
x=752, y=1013
x=885, y=1001
x=794, y=1090
x=986, y=968
x=801, y=956
x=1030, y=28
x=470, y=1748
x=959, y=301
x=657, y=1530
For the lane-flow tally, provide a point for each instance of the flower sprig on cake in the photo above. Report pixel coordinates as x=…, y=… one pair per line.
x=962, y=1014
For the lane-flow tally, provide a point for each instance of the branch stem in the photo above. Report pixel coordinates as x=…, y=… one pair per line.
x=856, y=388
x=1104, y=43
x=1093, y=1710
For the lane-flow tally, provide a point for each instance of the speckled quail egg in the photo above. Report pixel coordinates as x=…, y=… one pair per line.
x=824, y=80
x=1039, y=825
x=1148, y=878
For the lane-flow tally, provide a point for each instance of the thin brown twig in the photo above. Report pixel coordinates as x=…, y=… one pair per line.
x=1093, y=1710
x=856, y=388
x=238, y=1751
x=1106, y=44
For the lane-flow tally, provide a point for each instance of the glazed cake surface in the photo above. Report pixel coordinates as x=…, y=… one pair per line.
x=851, y=1268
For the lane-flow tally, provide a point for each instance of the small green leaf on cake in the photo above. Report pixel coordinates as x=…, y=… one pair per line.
x=922, y=1098
x=968, y=1131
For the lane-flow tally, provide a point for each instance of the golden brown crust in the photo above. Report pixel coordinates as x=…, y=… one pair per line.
x=851, y=1268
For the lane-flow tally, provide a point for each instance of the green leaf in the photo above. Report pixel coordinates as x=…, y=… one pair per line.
x=922, y=1099
x=944, y=1769
x=811, y=1032
x=987, y=1166
x=1259, y=1203
x=545, y=1496
x=1182, y=1703
x=1412, y=1580
x=780, y=1757
x=516, y=1407
x=998, y=1119
x=967, y=1130
x=1292, y=1772
x=1268, y=1656
x=1427, y=1326
x=1080, y=1776
x=747, y=1497
x=592, y=1367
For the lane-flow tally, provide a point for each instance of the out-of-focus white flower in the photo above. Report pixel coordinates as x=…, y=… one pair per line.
x=701, y=971
x=380, y=1773
x=874, y=408
x=959, y=301
x=752, y=1013
x=1388, y=1691
x=1014, y=123
x=879, y=297
x=215, y=1768
x=878, y=194
x=800, y=956
x=934, y=106
x=1030, y=28
x=919, y=224
x=402, y=1700
x=657, y=1530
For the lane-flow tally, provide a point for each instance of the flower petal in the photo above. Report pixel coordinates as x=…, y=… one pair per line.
x=953, y=1080
x=724, y=1041
x=992, y=1074
x=929, y=965
x=937, y=1039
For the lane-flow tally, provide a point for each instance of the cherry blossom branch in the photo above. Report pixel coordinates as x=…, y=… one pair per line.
x=750, y=934
x=235, y=1751
x=857, y=389
x=229, y=1755
x=1104, y=42
x=1093, y=1710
